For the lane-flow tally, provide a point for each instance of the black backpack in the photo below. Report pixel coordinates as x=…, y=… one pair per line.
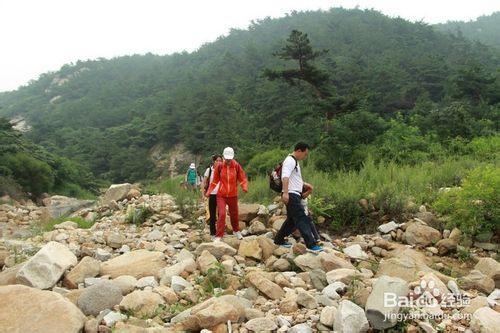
x=275, y=182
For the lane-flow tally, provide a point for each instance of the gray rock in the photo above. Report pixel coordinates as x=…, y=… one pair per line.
x=306, y=299
x=486, y=246
x=318, y=279
x=178, y=284
x=147, y=281
x=99, y=297
x=102, y=255
x=155, y=235
x=376, y=310
x=59, y=205
x=350, y=318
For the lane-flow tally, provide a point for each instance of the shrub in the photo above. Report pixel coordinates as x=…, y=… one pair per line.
x=32, y=174
x=475, y=207
x=263, y=162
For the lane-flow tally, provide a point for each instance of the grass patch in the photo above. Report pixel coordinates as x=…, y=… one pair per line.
x=138, y=215
x=214, y=279
x=391, y=189
x=49, y=225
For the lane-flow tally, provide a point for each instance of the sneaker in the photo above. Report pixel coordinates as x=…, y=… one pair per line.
x=285, y=245
x=315, y=249
x=217, y=239
x=238, y=235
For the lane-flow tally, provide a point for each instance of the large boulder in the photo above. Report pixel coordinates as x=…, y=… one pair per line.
x=479, y=281
x=46, y=267
x=250, y=248
x=485, y=320
x=308, y=261
x=407, y=264
x=265, y=286
x=355, y=252
x=101, y=296
x=25, y=309
x=218, y=249
x=350, y=318
x=212, y=312
x=262, y=324
x=141, y=303
x=247, y=212
x=116, y=192
x=87, y=267
x=138, y=263
x=59, y=205
x=420, y=234
x=206, y=261
x=331, y=261
x=491, y=268
x=377, y=311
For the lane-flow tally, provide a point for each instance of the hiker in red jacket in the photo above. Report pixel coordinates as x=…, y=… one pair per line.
x=229, y=173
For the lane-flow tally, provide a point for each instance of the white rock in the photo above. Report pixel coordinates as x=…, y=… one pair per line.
x=178, y=284
x=350, y=318
x=47, y=266
x=147, y=281
x=112, y=318
x=388, y=227
x=494, y=297
x=355, y=252
x=485, y=320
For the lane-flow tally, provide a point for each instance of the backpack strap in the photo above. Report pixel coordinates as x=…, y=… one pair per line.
x=296, y=162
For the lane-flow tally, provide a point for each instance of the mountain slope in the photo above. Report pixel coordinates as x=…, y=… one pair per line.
x=485, y=29
x=108, y=114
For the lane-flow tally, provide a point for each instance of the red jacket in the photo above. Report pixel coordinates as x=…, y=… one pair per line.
x=228, y=176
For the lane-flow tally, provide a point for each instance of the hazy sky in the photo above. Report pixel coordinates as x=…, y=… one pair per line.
x=42, y=35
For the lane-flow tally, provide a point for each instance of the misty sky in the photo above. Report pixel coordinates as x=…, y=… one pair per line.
x=42, y=35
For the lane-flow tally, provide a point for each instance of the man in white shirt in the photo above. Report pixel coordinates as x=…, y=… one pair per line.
x=293, y=184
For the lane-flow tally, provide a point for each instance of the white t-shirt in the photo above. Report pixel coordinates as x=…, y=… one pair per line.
x=216, y=189
x=295, y=182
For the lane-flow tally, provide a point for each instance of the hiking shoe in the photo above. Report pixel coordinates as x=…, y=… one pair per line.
x=238, y=235
x=285, y=245
x=315, y=249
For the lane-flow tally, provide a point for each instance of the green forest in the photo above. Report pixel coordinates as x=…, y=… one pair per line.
x=364, y=88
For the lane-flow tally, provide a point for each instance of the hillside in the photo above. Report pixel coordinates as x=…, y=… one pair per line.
x=485, y=29
x=29, y=168
x=390, y=78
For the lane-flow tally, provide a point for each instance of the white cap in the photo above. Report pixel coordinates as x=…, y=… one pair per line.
x=228, y=153
x=192, y=166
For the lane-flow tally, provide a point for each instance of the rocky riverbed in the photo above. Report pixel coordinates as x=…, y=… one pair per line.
x=166, y=275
